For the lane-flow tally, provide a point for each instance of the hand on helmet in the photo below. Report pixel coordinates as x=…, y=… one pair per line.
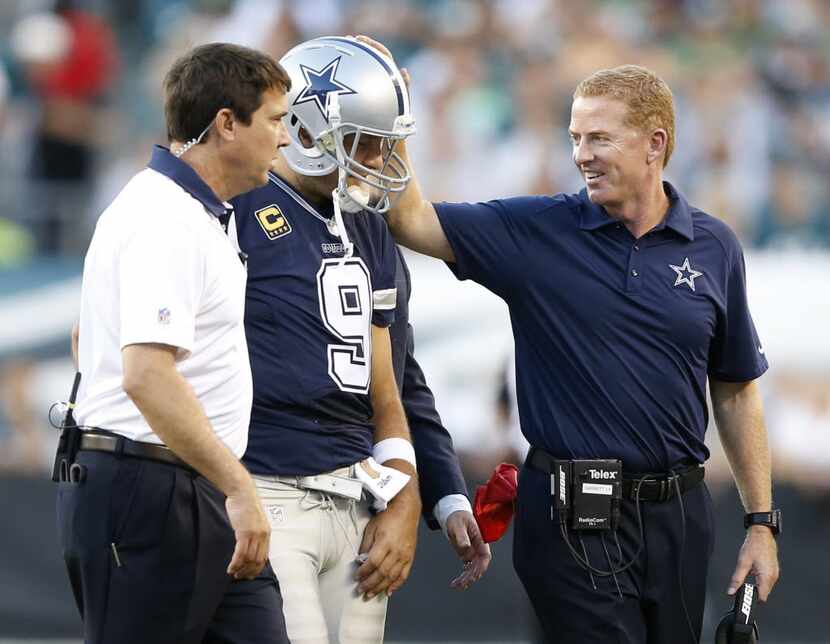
x=347, y=118
x=385, y=51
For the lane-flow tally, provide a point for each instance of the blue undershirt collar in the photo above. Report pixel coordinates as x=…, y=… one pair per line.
x=165, y=162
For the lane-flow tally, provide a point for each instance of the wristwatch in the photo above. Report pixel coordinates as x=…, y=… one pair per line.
x=770, y=519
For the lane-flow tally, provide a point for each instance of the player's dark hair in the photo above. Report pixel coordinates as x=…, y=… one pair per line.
x=213, y=77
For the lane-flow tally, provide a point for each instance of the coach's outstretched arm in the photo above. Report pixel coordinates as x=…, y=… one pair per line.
x=414, y=222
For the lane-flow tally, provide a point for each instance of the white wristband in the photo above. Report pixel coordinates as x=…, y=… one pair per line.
x=447, y=505
x=390, y=448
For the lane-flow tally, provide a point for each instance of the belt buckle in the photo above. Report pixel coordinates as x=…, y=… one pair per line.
x=348, y=487
x=328, y=483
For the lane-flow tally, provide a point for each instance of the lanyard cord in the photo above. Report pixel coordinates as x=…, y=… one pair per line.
x=613, y=571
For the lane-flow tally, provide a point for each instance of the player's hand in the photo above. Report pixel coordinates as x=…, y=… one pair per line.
x=465, y=538
x=389, y=544
x=385, y=51
x=253, y=534
x=759, y=557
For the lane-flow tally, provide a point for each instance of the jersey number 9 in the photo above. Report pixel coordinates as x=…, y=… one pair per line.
x=345, y=292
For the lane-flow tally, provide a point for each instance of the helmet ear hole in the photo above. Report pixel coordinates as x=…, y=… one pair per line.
x=304, y=136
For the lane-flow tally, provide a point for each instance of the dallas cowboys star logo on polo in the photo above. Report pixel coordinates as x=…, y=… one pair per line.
x=320, y=85
x=685, y=274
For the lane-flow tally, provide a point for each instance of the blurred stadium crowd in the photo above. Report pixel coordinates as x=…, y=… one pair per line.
x=492, y=81
x=492, y=86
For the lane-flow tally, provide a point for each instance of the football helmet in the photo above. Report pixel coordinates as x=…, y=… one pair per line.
x=342, y=90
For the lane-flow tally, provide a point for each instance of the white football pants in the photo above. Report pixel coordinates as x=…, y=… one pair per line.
x=315, y=537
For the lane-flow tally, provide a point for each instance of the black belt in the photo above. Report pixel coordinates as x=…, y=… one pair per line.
x=657, y=487
x=114, y=444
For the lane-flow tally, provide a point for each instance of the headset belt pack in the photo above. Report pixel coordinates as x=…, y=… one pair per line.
x=587, y=492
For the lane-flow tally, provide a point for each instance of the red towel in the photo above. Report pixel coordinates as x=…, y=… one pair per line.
x=495, y=502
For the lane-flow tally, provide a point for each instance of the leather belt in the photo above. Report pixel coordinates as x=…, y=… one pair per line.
x=109, y=443
x=656, y=488
x=663, y=487
x=336, y=484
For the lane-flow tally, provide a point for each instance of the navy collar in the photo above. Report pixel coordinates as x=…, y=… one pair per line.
x=678, y=218
x=324, y=210
x=165, y=162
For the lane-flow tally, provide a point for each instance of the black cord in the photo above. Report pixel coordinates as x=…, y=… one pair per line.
x=584, y=563
x=51, y=410
x=619, y=547
x=61, y=425
x=614, y=571
x=610, y=565
x=68, y=407
x=679, y=495
x=585, y=552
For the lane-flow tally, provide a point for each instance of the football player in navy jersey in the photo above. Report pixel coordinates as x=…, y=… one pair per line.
x=327, y=425
x=626, y=304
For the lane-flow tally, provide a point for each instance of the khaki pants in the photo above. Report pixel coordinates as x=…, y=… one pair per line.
x=314, y=542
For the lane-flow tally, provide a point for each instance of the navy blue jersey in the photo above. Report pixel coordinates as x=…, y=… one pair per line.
x=308, y=317
x=615, y=336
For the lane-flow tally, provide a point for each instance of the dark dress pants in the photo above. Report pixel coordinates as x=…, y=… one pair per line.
x=146, y=546
x=653, y=588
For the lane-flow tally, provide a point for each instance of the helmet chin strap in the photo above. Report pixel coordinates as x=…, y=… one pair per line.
x=348, y=247
x=343, y=197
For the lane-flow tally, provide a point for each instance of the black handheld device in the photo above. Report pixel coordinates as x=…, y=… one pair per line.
x=738, y=626
x=69, y=439
x=587, y=492
x=597, y=488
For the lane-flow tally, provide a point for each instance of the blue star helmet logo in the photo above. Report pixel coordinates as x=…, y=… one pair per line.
x=320, y=85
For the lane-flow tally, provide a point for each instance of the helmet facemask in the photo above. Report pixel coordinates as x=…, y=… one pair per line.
x=369, y=189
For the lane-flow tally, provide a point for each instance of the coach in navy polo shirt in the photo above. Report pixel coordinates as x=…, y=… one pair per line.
x=624, y=300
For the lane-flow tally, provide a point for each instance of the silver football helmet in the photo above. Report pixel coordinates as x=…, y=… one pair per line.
x=341, y=88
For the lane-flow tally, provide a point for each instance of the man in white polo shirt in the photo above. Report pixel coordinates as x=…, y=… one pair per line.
x=162, y=533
